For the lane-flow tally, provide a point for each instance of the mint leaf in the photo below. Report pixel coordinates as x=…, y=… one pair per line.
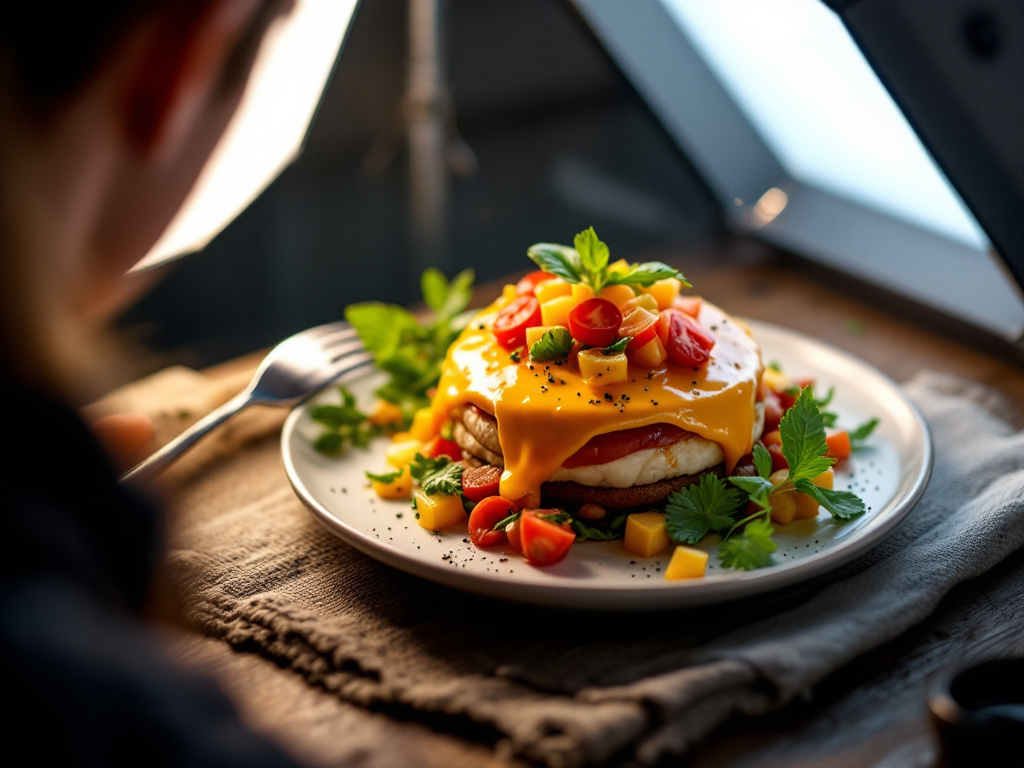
x=380, y=326
x=694, y=510
x=555, y=343
x=762, y=461
x=387, y=477
x=646, y=274
x=864, y=431
x=559, y=260
x=842, y=505
x=593, y=255
x=618, y=346
x=757, y=489
x=753, y=549
x=803, y=438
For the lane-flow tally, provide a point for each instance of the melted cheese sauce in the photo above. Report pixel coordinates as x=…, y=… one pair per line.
x=545, y=413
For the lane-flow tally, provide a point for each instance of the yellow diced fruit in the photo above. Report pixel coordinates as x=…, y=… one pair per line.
x=687, y=563
x=777, y=381
x=644, y=301
x=551, y=289
x=600, y=370
x=509, y=293
x=581, y=292
x=426, y=424
x=807, y=506
x=440, y=511
x=556, y=311
x=664, y=291
x=402, y=437
x=620, y=265
x=645, y=534
x=783, y=506
x=533, y=334
x=398, y=455
x=386, y=414
x=399, y=488
x=651, y=355
x=617, y=294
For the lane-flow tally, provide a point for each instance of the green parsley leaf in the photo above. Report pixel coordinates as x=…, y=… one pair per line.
x=586, y=532
x=618, y=346
x=329, y=442
x=823, y=402
x=422, y=466
x=646, y=274
x=842, y=505
x=762, y=461
x=803, y=438
x=694, y=510
x=343, y=424
x=559, y=260
x=757, y=489
x=555, y=343
x=387, y=477
x=863, y=432
x=380, y=326
x=593, y=255
x=753, y=549
x=446, y=481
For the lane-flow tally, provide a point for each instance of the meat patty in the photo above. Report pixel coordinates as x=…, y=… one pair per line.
x=652, y=494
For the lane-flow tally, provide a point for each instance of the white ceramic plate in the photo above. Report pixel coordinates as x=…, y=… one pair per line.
x=890, y=475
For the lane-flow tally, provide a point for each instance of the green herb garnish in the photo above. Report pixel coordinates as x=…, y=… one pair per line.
x=752, y=549
x=693, y=511
x=618, y=346
x=588, y=263
x=593, y=533
x=438, y=475
x=386, y=477
x=552, y=345
x=343, y=424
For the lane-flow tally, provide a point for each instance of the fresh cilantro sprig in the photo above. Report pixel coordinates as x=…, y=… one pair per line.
x=552, y=345
x=409, y=349
x=437, y=475
x=693, y=511
x=588, y=263
x=343, y=424
x=751, y=549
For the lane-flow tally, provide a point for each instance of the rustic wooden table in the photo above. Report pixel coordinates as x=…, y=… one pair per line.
x=870, y=713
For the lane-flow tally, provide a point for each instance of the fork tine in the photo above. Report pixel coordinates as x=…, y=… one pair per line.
x=352, y=367
x=341, y=337
x=328, y=328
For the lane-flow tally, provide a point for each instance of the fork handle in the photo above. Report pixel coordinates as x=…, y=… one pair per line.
x=149, y=469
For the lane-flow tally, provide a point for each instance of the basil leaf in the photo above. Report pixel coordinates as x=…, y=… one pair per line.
x=646, y=274
x=559, y=260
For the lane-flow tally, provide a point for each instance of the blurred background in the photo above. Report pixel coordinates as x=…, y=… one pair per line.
x=547, y=139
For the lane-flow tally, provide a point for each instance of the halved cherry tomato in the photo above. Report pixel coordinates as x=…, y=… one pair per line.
x=773, y=411
x=515, y=541
x=610, y=446
x=511, y=323
x=779, y=460
x=440, y=446
x=545, y=542
x=641, y=325
x=480, y=482
x=528, y=283
x=685, y=341
x=688, y=304
x=482, y=519
x=595, y=322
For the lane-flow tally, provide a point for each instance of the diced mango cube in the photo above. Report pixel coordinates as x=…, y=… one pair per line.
x=556, y=311
x=651, y=355
x=533, y=334
x=601, y=370
x=664, y=291
x=398, y=455
x=399, y=488
x=551, y=289
x=807, y=506
x=440, y=511
x=386, y=414
x=777, y=381
x=402, y=437
x=620, y=265
x=783, y=506
x=644, y=301
x=645, y=534
x=617, y=294
x=687, y=563
x=509, y=293
x=426, y=424
x=581, y=292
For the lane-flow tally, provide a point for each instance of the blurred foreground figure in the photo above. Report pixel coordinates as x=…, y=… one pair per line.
x=108, y=111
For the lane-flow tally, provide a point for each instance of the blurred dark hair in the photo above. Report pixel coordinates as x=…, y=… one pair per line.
x=54, y=46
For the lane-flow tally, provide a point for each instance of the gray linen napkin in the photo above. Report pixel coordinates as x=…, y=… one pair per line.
x=571, y=689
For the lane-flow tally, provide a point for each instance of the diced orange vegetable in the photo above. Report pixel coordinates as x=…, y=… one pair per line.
x=807, y=506
x=771, y=438
x=664, y=291
x=617, y=294
x=399, y=488
x=551, y=289
x=386, y=414
x=440, y=511
x=783, y=506
x=600, y=370
x=839, y=444
x=556, y=311
x=426, y=424
x=651, y=355
x=581, y=292
x=688, y=304
x=686, y=563
x=402, y=437
x=398, y=455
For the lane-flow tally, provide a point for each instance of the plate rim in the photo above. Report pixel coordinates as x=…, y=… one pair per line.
x=719, y=588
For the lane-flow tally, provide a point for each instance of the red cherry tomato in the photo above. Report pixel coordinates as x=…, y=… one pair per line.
x=528, y=284
x=778, y=459
x=483, y=518
x=773, y=411
x=544, y=542
x=515, y=541
x=641, y=325
x=685, y=341
x=441, y=446
x=480, y=482
x=511, y=323
x=595, y=322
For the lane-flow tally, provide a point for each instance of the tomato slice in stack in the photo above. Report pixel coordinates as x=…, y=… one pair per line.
x=685, y=341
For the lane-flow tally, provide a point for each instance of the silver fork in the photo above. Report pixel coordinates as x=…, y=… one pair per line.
x=293, y=371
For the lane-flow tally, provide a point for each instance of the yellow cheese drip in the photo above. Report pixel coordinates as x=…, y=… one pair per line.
x=545, y=413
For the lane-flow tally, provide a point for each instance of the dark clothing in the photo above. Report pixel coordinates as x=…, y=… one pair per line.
x=82, y=678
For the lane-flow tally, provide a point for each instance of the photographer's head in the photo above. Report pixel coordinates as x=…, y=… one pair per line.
x=109, y=112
